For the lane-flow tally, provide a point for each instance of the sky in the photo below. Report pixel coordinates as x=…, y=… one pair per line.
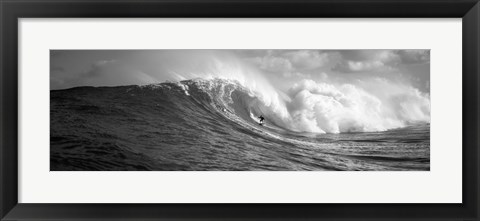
x=72, y=68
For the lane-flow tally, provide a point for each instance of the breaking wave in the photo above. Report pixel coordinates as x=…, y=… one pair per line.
x=309, y=106
x=213, y=125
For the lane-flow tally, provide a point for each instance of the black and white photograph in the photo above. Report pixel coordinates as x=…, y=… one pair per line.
x=240, y=110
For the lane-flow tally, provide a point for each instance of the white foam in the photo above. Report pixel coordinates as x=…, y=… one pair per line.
x=184, y=88
x=373, y=104
x=321, y=107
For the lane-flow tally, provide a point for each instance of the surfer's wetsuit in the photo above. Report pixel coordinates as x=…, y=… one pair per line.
x=261, y=119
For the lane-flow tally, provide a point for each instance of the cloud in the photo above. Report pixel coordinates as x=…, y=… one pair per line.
x=415, y=56
x=367, y=60
x=98, y=67
x=380, y=60
x=57, y=76
x=55, y=53
x=295, y=63
x=290, y=62
x=101, y=73
x=112, y=72
x=357, y=66
x=57, y=69
x=272, y=63
x=307, y=59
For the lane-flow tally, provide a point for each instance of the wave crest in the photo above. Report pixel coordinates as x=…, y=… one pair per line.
x=309, y=106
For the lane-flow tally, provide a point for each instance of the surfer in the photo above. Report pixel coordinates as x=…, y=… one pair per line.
x=262, y=119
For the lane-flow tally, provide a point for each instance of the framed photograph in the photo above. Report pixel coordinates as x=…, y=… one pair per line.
x=230, y=110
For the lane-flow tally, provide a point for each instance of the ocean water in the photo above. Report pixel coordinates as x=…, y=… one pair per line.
x=198, y=125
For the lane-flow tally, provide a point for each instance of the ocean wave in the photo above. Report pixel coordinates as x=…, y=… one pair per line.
x=316, y=107
x=307, y=106
x=212, y=124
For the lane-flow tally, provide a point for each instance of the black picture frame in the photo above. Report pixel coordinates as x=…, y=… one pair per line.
x=12, y=10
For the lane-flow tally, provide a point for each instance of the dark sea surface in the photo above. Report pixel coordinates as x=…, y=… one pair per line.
x=208, y=125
